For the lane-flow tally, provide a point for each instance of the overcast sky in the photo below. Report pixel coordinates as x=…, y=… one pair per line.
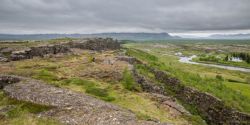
x=93, y=16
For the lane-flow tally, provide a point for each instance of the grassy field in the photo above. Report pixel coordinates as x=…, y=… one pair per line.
x=230, y=86
x=80, y=73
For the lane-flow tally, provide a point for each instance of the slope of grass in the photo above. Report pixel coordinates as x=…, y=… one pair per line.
x=66, y=73
x=242, y=88
x=128, y=81
x=206, y=84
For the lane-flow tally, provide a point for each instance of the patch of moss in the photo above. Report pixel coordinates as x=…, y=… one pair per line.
x=143, y=116
x=46, y=75
x=90, y=87
x=23, y=113
x=99, y=92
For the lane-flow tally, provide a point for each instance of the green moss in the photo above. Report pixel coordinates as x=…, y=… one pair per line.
x=80, y=82
x=46, y=75
x=143, y=116
x=99, y=92
x=90, y=87
x=23, y=113
x=195, y=119
x=141, y=55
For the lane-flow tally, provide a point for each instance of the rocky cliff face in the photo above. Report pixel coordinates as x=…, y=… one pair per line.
x=212, y=109
x=97, y=44
x=38, y=51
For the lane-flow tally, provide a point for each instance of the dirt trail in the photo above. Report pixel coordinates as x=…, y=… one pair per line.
x=70, y=107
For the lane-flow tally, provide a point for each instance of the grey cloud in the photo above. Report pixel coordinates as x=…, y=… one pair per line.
x=86, y=16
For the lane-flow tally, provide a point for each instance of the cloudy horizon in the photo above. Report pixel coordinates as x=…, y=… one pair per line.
x=179, y=17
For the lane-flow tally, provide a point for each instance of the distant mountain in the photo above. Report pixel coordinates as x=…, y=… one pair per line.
x=119, y=36
x=134, y=36
x=230, y=36
x=36, y=36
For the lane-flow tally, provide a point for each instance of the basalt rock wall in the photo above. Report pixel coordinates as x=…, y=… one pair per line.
x=212, y=109
x=96, y=44
x=38, y=52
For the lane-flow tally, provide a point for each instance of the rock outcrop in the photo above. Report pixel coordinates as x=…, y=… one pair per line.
x=212, y=109
x=147, y=85
x=3, y=59
x=6, y=80
x=70, y=107
x=158, y=93
x=40, y=51
x=130, y=60
x=97, y=44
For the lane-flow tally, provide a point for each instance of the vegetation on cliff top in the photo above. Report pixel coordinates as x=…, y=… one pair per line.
x=213, y=85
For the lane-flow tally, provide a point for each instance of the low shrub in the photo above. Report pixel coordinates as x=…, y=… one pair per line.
x=219, y=77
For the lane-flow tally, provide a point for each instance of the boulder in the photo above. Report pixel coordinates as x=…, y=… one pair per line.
x=6, y=80
x=130, y=60
x=39, y=51
x=6, y=50
x=3, y=59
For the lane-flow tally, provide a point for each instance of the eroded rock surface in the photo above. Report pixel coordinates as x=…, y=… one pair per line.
x=158, y=93
x=211, y=108
x=71, y=107
x=39, y=51
x=6, y=80
x=97, y=44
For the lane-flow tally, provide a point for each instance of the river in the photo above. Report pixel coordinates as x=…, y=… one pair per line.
x=188, y=60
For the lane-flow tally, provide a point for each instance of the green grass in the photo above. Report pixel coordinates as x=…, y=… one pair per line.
x=91, y=88
x=141, y=55
x=125, y=93
x=128, y=81
x=144, y=71
x=46, y=75
x=242, y=88
x=211, y=85
x=101, y=93
x=23, y=113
